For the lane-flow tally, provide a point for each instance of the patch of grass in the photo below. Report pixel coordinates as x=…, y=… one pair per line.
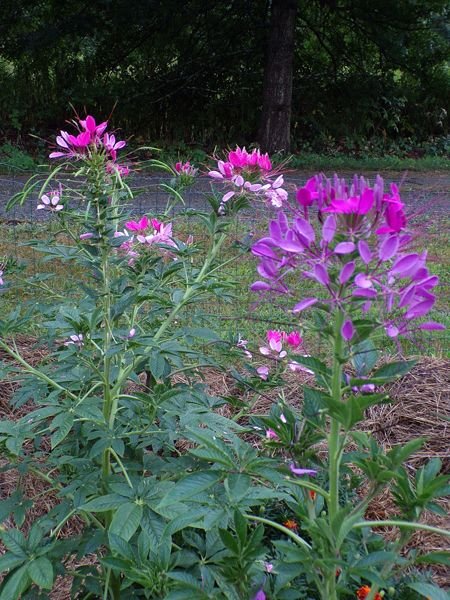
x=15, y=160
x=243, y=313
x=312, y=161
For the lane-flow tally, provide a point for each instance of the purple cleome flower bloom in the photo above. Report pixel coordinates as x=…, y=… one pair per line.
x=362, y=256
x=300, y=472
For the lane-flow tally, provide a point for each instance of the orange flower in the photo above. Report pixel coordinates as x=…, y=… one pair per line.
x=291, y=524
x=312, y=494
x=364, y=591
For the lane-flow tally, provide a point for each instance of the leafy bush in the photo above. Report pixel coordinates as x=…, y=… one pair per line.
x=173, y=501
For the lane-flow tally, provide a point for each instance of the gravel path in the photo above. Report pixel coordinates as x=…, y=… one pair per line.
x=426, y=194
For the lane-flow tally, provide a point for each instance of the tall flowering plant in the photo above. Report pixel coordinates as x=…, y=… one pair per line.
x=110, y=414
x=350, y=241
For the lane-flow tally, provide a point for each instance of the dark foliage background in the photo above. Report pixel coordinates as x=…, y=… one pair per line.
x=193, y=70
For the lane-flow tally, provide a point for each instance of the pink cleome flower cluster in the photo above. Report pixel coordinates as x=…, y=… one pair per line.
x=185, y=169
x=274, y=350
x=250, y=174
x=51, y=201
x=145, y=232
x=361, y=257
x=90, y=137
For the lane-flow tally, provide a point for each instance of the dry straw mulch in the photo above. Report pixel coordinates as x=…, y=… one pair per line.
x=420, y=407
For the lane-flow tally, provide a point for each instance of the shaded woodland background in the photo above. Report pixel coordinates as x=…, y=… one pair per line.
x=200, y=72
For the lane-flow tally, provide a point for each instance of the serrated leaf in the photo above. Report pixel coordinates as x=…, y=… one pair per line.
x=378, y=558
x=364, y=357
x=14, y=541
x=6, y=508
x=126, y=520
x=14, y=444
x=157, y=365
x=92, y=413
x=10, y=561
x=41, y=572
x=434, y=558
x=118, y=545
x=229, y=541
x=428, y=590
x=191, y=486
x=64, y=426
x=15, y=584
x=393, y=370
x=104, y=503
x=190, y=519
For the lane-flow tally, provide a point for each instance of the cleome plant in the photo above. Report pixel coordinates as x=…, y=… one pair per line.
x=172, y=500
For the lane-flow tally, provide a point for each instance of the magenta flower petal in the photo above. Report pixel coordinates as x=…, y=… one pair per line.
x=365, y=293
x=304, y=228
x=299, y=472
x=420, y=309
x=320, y=274
x=304, y=304
x=329, y=228
x=364, y=252
x=404, y=263
x=389, y=247
x=304, y=197
x=344, y=248
x=263, y=373
x=363, y=281
x=432, y=325
x=346, y=272
x=260, y=595
x=347, y=330
x=260, y=286
x=227, y=196
x=271, y=434
x=392, y=331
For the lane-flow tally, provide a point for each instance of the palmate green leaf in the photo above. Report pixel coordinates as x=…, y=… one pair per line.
x=378, y=558
x=158, y=365
x=434, y=558
x=215, y=451
x=428, y=590
x=41, y=572
x=14, y=444
x=192, y=588
x=7, y=506
x=191, y=486
x=365, y=356
x=237, y=486
x=119, y=546
x=229, y=541
x=192, y=518
x=15, y=584
x=392, y=370
x=104, y=503
x=9, y=561
x=63, y=422
x=14, y=541
x=126, y=520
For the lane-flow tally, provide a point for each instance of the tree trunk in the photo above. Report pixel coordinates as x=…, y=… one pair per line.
x=275, y=124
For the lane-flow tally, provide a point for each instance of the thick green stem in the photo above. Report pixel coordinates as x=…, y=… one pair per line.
x=334, y=452
x=334, y=447
x=112, y=581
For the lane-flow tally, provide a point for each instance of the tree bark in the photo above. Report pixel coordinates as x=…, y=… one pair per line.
x=275, y=124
